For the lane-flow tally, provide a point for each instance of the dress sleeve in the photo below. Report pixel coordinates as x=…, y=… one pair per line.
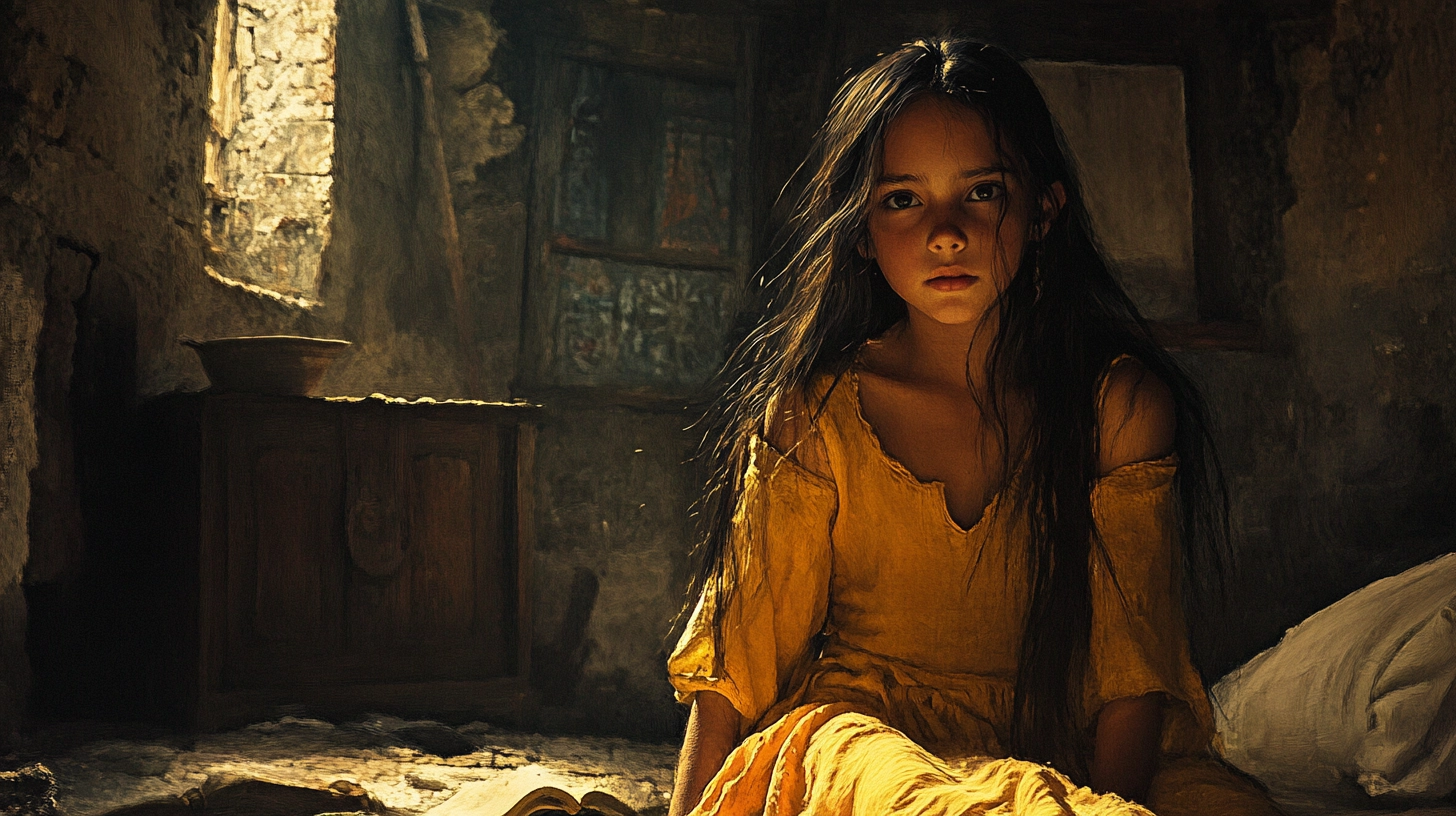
x=1139, y=642
x=781, y=539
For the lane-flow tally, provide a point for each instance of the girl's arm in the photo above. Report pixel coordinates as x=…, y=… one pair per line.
x=711, y=734
x=1125, y=755
x=1136, y=424
x=713, y=722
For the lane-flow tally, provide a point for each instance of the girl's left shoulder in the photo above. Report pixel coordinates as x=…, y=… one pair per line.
x=1136, y=416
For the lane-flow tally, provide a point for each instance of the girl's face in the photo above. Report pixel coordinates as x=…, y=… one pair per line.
x=948, y=219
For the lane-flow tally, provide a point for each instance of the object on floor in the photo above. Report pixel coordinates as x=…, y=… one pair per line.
x=231, y=796
x=1358, y=693
x=434, y=738
x=28, y=791
x=549, y=801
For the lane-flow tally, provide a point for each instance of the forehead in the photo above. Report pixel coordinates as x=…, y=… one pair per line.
x=933, y=131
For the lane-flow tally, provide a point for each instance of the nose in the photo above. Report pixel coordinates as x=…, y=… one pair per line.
x=946, y=237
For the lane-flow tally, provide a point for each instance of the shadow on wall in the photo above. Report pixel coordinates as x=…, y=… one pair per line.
x=557, y=666
x=84, y=628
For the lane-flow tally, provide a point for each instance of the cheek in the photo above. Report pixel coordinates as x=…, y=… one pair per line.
x=889, y=240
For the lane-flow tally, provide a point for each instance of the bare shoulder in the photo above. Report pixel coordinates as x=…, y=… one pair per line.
x=791, y=429
x=1136, y=416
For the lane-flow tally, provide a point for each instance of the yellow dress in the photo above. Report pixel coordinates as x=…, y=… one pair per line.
x=872, y=644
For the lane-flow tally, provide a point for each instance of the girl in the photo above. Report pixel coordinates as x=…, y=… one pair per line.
x=958, y=485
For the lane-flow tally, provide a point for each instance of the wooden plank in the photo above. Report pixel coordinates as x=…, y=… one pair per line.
x=525, y=535
x=285, y=542
x=212, y=556
x=656, y=256
x=438, y=175
x=555, y=86
x=1210, y=336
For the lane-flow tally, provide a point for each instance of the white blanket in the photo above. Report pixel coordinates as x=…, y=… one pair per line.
x=1359, y=691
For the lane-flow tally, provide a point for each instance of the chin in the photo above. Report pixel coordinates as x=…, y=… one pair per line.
x=958, y=317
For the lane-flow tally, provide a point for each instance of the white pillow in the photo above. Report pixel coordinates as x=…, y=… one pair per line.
x=1358, y=691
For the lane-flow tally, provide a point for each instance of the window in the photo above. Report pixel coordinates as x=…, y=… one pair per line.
x=271, y=145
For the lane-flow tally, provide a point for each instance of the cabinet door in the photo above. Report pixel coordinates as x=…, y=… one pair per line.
x=432, y=575
x=284, y=541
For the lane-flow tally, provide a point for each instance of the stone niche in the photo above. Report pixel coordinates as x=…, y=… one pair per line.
x=1125, y=127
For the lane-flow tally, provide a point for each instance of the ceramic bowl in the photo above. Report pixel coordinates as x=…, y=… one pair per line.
x=278, y=364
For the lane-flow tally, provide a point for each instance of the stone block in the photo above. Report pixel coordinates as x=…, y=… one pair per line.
x=284, y=91
x=297, y=33
x=30, y=790
x=296, y=148
x=252, y=17
x=243, y=46
x=285, y=193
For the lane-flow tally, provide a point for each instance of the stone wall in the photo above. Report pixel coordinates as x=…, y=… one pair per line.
x=270, y=216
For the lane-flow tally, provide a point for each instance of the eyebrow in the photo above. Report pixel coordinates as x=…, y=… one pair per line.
x=991, y=170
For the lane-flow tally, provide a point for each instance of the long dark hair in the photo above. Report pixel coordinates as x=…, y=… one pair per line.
x=1063, y=319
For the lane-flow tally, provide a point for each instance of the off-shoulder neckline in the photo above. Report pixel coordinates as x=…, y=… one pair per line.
x=936, y=486
x=1117, y=477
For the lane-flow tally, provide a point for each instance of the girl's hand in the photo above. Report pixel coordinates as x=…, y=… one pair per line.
x=1125, y=756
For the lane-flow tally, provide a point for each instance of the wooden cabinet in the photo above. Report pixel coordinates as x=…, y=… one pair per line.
x=353, y=555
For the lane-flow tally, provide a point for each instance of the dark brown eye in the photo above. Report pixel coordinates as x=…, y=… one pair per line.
x=900, y=200
x=987, y=191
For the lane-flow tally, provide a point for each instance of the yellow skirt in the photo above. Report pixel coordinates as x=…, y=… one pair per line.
x=829, y=760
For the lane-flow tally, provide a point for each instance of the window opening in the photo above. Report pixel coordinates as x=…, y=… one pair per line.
x=270, y=148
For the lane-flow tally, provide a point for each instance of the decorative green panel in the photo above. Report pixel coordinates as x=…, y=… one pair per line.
x=634, y=325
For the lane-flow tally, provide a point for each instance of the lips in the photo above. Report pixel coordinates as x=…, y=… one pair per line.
x=951, y=280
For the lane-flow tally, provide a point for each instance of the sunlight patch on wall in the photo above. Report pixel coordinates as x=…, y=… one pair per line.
x=269, y=169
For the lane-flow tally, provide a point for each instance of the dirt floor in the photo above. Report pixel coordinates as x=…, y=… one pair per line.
x=404, y=767
x=389, y=766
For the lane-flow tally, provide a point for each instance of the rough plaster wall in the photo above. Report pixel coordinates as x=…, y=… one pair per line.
x=1341, y=451
x=614, y=534
x=385, y=286
x=94, y=163
x=477, y=118
x=22, y=269
x=478, y=82
x=373, y=292
x=1124, y=126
